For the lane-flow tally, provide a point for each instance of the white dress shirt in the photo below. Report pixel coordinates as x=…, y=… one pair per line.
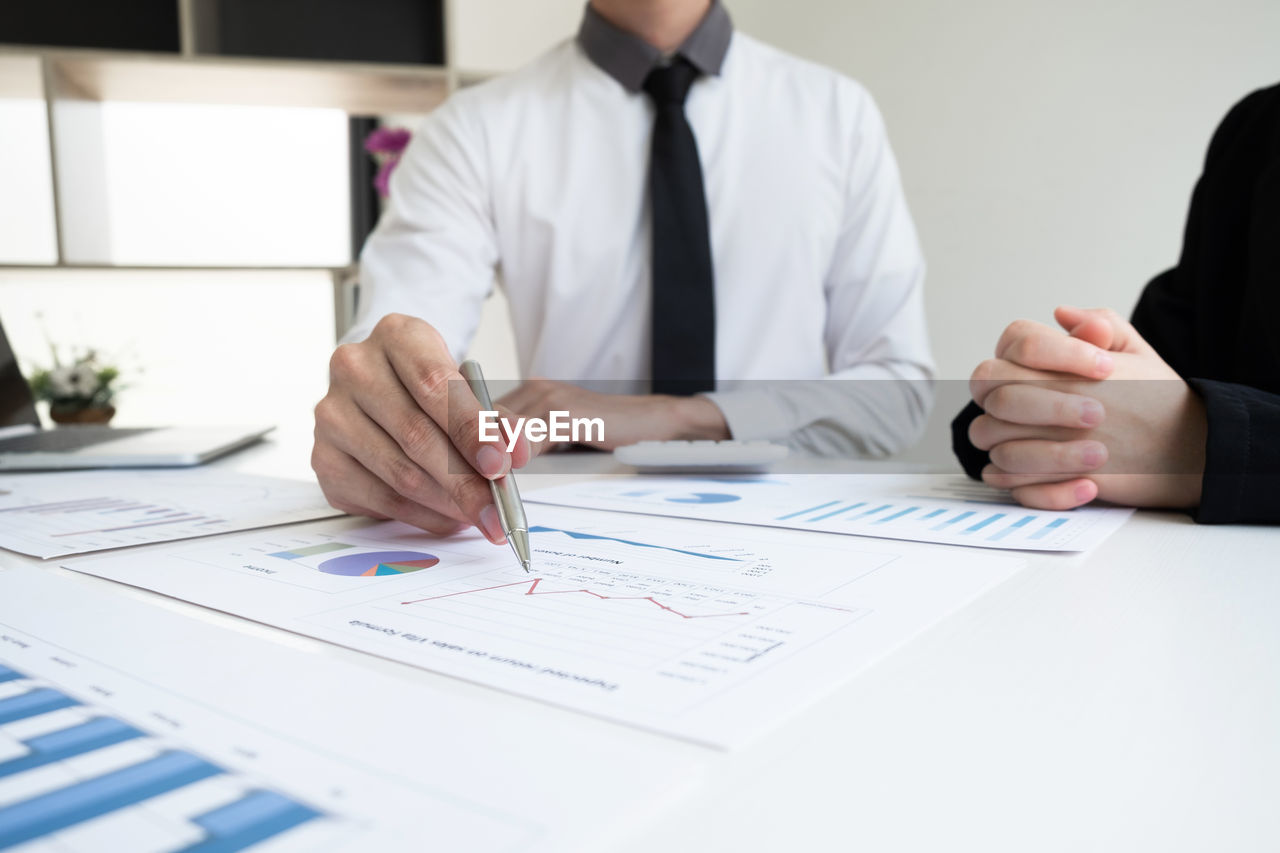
x=540, y=177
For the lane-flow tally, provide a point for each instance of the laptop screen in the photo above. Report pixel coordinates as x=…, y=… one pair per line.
x=16, y=405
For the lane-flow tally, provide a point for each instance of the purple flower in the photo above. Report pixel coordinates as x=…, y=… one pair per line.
x=386, y=144
x=382, y=180
x=387, y=140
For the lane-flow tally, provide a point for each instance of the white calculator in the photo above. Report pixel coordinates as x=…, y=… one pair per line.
x=723, y=456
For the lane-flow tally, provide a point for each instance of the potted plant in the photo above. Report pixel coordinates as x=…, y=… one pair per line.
x=78, y=393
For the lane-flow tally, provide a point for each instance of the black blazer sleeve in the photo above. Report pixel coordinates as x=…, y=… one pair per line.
x=972, y=460
x=1242, y=454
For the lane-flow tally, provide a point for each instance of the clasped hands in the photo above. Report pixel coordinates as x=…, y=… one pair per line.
x=1088, y=411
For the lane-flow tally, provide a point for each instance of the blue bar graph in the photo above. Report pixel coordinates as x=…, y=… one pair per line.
x=871, y=512
x=950, y=521
x=842, y=509
x=991, y=519
x=42, y=700
x=1000, y=534
x=806, y=511
x=1048, y=528
x=65, y=807
x=68, y=743
x=899, y=514
x=934, y=514
x=256, y=817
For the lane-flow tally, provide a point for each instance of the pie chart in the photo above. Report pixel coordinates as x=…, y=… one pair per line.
x=374, y=563
x=704, y=498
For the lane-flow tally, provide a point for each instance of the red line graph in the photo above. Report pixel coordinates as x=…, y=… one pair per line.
x=533, y=590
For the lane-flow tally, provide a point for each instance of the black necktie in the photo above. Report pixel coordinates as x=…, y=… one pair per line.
x=684, y=309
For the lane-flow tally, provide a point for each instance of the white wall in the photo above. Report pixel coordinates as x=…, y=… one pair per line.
x=192, y=346
x=1048, y=149
x=26, y=192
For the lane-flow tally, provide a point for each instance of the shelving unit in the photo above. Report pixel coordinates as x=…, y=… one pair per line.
x=366, y=59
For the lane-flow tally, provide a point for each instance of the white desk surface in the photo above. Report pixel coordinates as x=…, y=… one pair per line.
x=1123, y=700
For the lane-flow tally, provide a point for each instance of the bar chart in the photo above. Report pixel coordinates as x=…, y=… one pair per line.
x=56, y=514
x=215, y=741
x=919, y=508
x=77, y=774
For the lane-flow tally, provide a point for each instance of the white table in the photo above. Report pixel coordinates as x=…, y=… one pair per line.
x=1125, y=700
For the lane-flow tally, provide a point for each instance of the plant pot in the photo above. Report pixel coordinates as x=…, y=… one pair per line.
x=70, y=415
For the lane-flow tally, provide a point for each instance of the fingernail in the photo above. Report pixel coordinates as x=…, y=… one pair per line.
x=492, y=462
x=1104, y=362
x=1084, y=492
x=1093, y=455
x=1091, y=413
x=491, y=525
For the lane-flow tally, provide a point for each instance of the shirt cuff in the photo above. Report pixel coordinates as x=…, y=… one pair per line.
x=753, y=415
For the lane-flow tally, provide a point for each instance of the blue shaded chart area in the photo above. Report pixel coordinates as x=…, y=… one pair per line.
x=705, y=498
x=575, y=534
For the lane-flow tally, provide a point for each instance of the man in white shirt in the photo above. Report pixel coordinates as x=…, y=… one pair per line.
x=577, y=181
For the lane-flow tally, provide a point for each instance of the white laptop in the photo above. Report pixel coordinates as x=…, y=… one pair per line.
x=25, y=446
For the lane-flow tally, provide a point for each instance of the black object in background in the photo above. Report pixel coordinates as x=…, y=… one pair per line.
x=397, y=31
x=146, y=25
x=365, y=206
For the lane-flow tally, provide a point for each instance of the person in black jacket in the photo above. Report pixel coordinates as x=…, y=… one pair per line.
x=1197, y=424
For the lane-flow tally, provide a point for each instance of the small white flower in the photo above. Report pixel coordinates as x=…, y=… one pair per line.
x=60, y=382
x=78, y=380
x=83, y=380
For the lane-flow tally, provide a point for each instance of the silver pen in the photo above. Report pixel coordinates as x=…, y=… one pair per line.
x=506, y=497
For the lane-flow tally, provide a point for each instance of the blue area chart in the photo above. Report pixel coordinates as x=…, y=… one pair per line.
x=577, y=534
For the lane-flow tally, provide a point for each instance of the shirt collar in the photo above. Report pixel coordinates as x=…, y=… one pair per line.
x=629, y=59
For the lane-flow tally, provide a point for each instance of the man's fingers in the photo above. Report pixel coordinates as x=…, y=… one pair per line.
x=1036, y=406
x=368, y=443
x=421, y=361
x=381, y=417
x=536, y=398
x=350, y=487
x=524, y=449
x=1041, y=347
x=1036, y=457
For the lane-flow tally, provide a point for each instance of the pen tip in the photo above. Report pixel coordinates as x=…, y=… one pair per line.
x=526, y=564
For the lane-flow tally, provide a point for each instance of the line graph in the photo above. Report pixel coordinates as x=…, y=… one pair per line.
x=577, y=534
x=533, y=590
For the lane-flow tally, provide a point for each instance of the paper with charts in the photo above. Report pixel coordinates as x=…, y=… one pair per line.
x=920, y=508
x=76, y=512
x=706, y=631
x=124, y=726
